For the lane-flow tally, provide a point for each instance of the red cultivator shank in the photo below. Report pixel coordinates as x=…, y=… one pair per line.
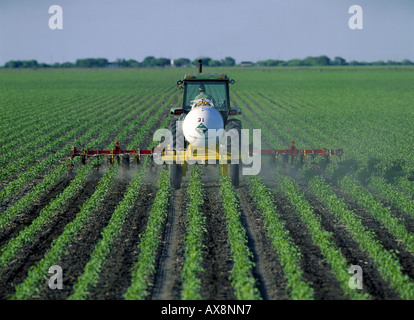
x=302, y=153
x=292, y=152
x=116, y=154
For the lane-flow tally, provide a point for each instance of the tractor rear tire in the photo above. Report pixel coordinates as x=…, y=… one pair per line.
x=233, y=124
x=176, y=177
x=234, y=174
x=234, y=169
x=177, y=134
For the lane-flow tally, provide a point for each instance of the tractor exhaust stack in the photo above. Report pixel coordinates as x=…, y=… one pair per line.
x=200, y=66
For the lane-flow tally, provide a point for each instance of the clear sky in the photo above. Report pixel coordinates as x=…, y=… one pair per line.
x=243, y=29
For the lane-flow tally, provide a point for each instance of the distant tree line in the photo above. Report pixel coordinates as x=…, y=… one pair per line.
x=326, y=61
x=153, y=62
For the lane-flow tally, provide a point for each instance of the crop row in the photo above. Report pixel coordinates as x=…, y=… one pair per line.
x=90, y=276
x=380, y=213
x=42, y=146
x=50, y=179
x=287, y=251
x=55, y=174
x=91, y=127
x=399, y=195
x=150, y=241
x=37, y=272
x=27, y=234
x=386, y=262
x=45, y=185
x=322, y=238
x=241, y=277
x=22, y=126
x=19, y=138
x=193, y=255
x=36, y=275
x=80, y=125
x=391, y=193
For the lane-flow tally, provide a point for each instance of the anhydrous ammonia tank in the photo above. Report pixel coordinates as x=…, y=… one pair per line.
x=198, y=121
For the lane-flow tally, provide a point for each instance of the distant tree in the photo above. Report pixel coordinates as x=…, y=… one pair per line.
x=162, y=62
x=316, y=61
x=378, y=63
x=13, y=64
x=133, y=63
x=91, y=63
x=294, y=63
x=101, y=62
x=127, y=63
x=29, y=64
x=272, y=63
x=309, y=61
x=149, y=61
x=206, y=61
x=122, y=63
x=407, y=62
x=215, y=63
x=228, y=62
x=67, y=65
x=323, y=61
x=357, y=63
x=338, y=61
x=182, y=62
x=392, y=63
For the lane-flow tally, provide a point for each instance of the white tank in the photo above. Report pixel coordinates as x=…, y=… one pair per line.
x=198, y=121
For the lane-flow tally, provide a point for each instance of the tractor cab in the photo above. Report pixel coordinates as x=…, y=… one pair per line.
x=210, y=86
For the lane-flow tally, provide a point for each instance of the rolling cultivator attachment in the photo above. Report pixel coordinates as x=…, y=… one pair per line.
x=114, y=156
x=288, y=156
x=178, y=160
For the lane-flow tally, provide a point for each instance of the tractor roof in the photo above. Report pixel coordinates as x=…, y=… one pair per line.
x=205, y=76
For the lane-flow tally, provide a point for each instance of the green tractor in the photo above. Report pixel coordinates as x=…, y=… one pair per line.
x=205, y=105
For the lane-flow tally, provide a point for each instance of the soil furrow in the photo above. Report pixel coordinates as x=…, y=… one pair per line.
x=31, y=213
x=218, y=263
x=115, y=276
x=17, y=269
x=268, y=270
x=315, y=267
x=81, y=247
x=167, y=281
x=372, y=280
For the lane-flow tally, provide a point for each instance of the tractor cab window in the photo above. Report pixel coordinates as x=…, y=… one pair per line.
x=216, y=91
